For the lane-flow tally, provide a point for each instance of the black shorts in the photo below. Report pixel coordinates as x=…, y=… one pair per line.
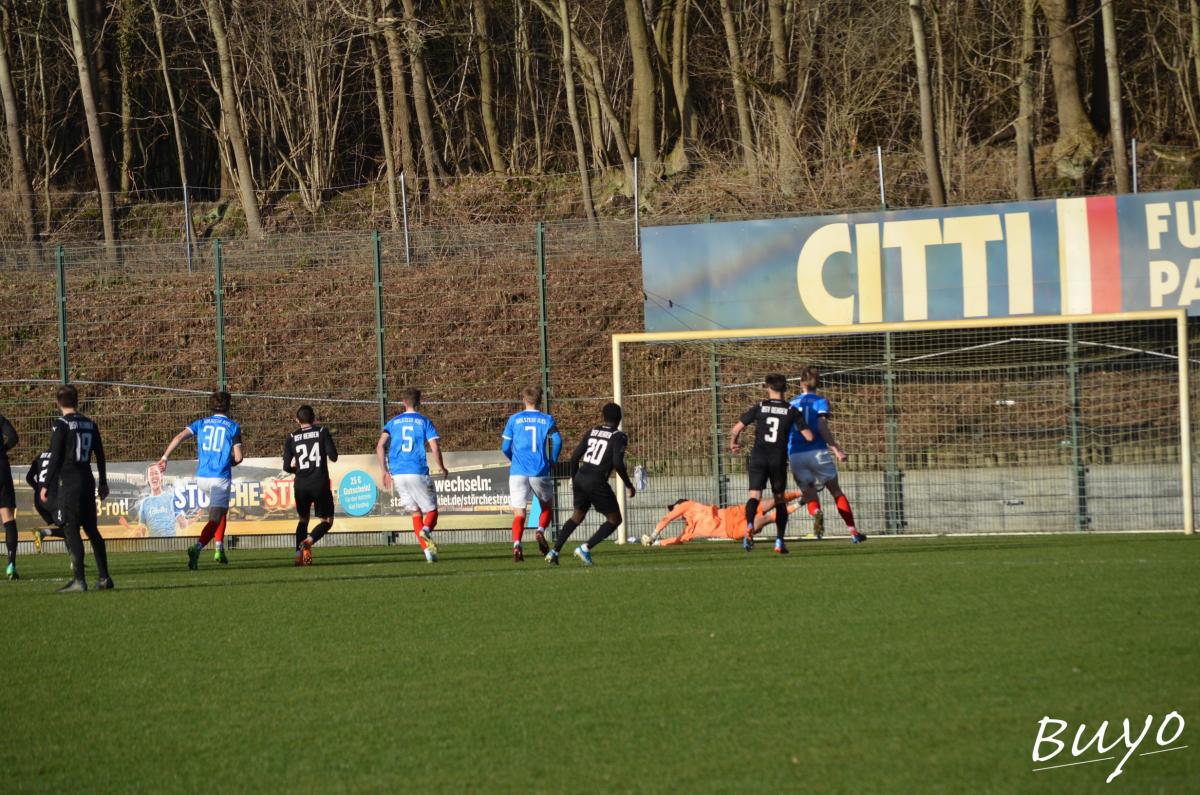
x=762, y=469
x=8, y=496
x=596, y=494
x=75, y=504
x=315, y=496
x=42, y=508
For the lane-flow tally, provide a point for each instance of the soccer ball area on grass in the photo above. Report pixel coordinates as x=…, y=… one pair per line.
x=910, y=665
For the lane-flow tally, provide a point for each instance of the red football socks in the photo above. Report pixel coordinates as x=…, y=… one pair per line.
x=543, y=520
x=813, y=507
x=518, y=528
x=206, y=535
x=843, y=506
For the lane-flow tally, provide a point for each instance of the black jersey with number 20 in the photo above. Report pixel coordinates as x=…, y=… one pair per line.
x=773, y=421
x=598, y=453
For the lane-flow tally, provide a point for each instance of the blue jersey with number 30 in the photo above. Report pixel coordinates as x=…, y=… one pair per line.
x=215, y=439
x=525, y=442
x=406, y=449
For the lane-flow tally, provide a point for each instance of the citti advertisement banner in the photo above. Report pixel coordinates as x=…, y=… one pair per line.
x=143, y=503
x=1056, y=257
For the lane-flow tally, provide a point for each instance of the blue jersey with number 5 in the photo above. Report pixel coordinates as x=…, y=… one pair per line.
x=406, y=448
x=524, y=442
x=215, y=439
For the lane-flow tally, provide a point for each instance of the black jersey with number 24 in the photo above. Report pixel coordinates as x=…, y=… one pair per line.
x=773, y=421
x=307, y=453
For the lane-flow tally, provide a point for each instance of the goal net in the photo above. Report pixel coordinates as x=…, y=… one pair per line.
x=1042, y=425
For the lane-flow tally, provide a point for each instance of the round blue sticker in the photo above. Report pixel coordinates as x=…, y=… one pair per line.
x=357, y=493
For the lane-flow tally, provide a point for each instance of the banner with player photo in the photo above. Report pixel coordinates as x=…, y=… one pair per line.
x=1075, y=256
x=144, y=503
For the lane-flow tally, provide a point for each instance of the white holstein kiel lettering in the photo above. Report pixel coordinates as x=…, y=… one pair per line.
x=912, y=238
x=1171, y=722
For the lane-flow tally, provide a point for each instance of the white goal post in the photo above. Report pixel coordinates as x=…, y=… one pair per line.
x=1026, y=424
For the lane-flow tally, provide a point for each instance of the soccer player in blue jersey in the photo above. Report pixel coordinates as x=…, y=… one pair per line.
x=219, y=449
x=401, y=454
x=813, y=464
x=524, y=444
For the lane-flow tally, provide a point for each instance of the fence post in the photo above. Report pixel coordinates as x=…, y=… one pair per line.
x=187, y=225
x=879, y=161
x=380, y=371
x=60, y=288
x=893, y=478
x=404, y=209
x=1075, y=419
x=1133, y=161
x=543, y=320
x=637, y=208
x=714, y=374
x=219, y=267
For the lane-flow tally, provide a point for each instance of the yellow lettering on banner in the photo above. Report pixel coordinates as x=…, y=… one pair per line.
x=1189, y=233
x=1018, y=241
x=826, y=309
x=973, y=233
x=1191, y=284
x=1164, y=280
x=870, y=273
x=912, y=238
x=1156, y=223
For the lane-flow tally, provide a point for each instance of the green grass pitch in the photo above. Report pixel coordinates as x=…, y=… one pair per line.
x=915, y=665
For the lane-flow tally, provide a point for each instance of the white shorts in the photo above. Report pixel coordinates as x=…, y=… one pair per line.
x=217, y=489
x=520, y=486
x=813, y=467
x=416, y=492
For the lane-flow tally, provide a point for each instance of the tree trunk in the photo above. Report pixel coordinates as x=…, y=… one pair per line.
x=1075, y=149
x=416, y=61
x=126, y=32
x=737, y=73
x=933, y=166
x=1194, y=13
x=573, y=112
x=79, y=42
x=160, y=40
x=385, y=129
x=678, y=159
x=1116, y=122
x=401, y=120
x=487, y=89
x=644, y=90
x=785, y=145
x=22, y=187
x=1026, y=173
x=230, y=115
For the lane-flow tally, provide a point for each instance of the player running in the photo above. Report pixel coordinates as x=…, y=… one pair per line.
x=218, y=450
x=401, y=454
x=599, y=454
x=774, y=419
x=524, y=444
x=73, y=488
x=306, y=454
x=8, y=496
x=709, y=521
x=812, y=460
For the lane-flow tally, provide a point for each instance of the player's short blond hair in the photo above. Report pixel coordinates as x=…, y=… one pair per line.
x=532, y=395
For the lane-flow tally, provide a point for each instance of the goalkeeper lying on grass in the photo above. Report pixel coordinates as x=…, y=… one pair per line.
x=709, y=521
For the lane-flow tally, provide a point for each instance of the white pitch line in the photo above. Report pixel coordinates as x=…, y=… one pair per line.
x=1073, y=764
x=1164, y=750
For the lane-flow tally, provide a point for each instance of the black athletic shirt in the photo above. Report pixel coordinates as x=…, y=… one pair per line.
x=73, y=442
x=36, y=476
x=599, y=452
x=773, y=421
x=307, y=453
x=10, y=438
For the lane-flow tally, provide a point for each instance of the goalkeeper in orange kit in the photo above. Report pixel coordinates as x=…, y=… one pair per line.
x=709, y=521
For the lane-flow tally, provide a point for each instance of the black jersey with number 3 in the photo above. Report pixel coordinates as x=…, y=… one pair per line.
x=773, y=421
x=599, y=452
x=307, y=453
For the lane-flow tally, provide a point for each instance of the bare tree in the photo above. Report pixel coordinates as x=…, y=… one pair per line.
x=79, y=40
x=737, y=73
x=644, y=89
x=573, y=112
x=385, y=127
x=22, y=188
x=231, y=119
x=487, y=88
x=933, y=165
x=787, y=159
x=416, y=61
x=1026, y=173
x=1075, y=149
x=1116, y=122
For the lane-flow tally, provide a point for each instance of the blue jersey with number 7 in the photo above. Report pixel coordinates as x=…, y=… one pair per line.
x=409, y=433
x=524, y=442
x=215, y=440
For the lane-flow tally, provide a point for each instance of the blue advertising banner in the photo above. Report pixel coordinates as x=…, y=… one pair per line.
x=1055, y=257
